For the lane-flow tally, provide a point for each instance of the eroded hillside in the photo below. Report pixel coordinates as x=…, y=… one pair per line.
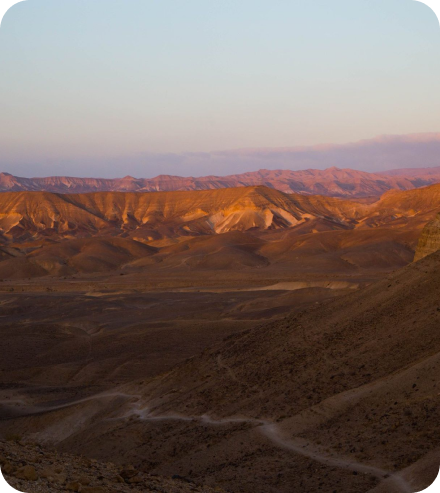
x=234, y=229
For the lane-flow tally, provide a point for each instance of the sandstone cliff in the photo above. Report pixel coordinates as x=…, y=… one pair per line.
x=429, y=241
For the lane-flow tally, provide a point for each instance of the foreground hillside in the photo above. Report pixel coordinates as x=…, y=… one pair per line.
x=342, y=397
x=355, y=377
x=31, y=469
x=333, y=182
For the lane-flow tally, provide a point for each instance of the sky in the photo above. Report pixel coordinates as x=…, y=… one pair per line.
x=110, y=88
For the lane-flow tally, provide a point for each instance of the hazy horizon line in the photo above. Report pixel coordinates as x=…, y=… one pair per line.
x=382, y=153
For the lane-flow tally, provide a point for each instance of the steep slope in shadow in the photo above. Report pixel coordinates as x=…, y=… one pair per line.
x=85, y=255
x=232, y=250
x=91, y=254
x=375, y=331
x=341, y=251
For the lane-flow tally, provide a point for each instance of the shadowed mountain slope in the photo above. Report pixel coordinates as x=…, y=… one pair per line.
x=357, y=375
x=87, y=255
x=353, y=329
x=343, y=396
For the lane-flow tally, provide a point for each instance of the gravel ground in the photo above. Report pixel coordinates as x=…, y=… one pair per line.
x=32, y=469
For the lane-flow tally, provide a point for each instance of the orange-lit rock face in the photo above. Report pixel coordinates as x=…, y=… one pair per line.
x=30, y=214
x=429, y=241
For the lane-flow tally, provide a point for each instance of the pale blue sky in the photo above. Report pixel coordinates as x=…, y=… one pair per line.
x=92, y=87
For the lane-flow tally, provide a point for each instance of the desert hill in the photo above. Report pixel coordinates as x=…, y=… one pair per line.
x=333, y=181
x=43, y=233
x=151, y=216
x=69, y=257
x=412, y=202
x=34, y=214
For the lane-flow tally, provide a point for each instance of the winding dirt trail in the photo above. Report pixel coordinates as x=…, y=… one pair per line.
x=272, y=431
x=305, y=448
x=277, y=437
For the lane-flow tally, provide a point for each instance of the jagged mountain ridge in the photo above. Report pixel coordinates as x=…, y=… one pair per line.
x=25, y=215
x=333, y=182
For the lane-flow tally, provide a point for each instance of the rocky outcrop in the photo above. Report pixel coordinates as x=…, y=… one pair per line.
x=429, y=241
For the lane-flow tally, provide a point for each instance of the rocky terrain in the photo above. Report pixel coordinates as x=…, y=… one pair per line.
x=333, y=182
x=31, y=469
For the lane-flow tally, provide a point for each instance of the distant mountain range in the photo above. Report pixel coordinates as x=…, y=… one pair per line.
x=333, y=182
